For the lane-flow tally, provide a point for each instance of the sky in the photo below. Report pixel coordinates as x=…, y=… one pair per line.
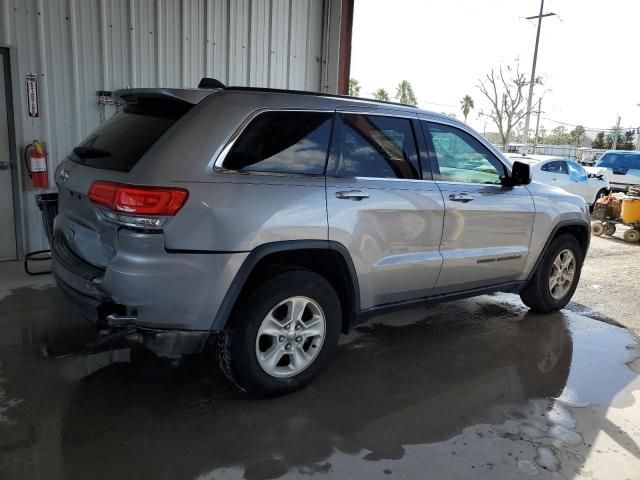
x=588, y=58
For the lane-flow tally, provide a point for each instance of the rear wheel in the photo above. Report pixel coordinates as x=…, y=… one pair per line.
x=282, y=334
x=556, y=278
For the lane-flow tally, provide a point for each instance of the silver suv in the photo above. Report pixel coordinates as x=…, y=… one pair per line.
x=276, y=220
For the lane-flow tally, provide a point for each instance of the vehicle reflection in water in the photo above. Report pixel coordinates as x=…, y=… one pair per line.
x=389, y=386
x=402, y=381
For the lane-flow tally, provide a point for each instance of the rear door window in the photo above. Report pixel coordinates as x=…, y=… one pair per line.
x=376, y=147
x=121, y=141
x=283, y=142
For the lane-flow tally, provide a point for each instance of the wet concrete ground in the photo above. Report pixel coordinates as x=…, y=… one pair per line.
x=473, y=389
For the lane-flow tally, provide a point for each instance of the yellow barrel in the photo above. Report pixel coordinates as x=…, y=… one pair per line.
x=631, y=210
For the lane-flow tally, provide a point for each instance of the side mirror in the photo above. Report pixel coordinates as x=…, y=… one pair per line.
x=520, y=175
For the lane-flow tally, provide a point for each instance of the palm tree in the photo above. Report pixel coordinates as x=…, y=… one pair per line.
x=354, y=87
x=466, y=105
x=381, y=94
x=405, y=94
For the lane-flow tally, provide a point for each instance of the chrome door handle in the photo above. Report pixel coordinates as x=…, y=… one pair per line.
x=352, y=195
x=461, y=197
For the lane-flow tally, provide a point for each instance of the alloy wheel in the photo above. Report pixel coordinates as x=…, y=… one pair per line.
x=290, y=337
x=563, y=271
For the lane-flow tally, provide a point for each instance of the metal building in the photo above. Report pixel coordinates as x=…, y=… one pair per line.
x=55, y=55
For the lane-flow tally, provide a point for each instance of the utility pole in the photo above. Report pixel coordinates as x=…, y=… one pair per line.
x=535, y=138
x=616, y=132
x=540, y=16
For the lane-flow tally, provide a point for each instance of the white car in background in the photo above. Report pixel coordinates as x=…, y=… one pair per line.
x=591, y=183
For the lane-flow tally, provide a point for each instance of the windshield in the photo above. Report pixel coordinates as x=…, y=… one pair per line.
x=622, y=161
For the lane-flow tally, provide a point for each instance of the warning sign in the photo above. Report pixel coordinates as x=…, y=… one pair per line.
x=32, y=96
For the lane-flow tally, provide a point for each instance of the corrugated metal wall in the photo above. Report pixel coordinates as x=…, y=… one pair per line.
x=78, y=47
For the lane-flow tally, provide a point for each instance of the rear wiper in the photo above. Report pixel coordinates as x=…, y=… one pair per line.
x=91, y=152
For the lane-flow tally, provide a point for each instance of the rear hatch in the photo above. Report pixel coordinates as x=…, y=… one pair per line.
x=110, y=153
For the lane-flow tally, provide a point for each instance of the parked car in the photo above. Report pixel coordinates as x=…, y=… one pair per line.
x=591, y=183
x=277, y=220
x=623, y=167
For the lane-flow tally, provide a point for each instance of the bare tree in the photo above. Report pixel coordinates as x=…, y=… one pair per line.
x=505, y=94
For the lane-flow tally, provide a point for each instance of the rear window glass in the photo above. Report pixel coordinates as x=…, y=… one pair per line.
x=283, y=142
x=622, y=161
x=122, y=140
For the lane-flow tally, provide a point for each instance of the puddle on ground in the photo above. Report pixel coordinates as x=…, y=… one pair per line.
x=462, y=388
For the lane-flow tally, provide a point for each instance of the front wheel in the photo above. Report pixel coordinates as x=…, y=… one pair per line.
x=601, y=194
x=556, y=278
x=282, y=334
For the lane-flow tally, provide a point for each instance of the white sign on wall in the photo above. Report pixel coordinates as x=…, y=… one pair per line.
x=32, y=96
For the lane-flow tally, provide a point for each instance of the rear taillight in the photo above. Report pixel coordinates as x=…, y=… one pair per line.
x=137, y=205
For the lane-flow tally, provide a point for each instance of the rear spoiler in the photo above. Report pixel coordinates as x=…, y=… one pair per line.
x=190, y=96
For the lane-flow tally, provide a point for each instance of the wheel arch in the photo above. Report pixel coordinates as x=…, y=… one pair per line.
x=325, y=257
x=580, y=229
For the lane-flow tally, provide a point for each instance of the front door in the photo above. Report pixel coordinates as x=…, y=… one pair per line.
x=487, y=227
x=7, y=226
x=379, y=208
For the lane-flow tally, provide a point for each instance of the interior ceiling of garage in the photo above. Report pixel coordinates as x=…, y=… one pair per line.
x=78, y=47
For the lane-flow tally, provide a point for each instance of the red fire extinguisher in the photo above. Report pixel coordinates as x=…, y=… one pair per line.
x=35, y=158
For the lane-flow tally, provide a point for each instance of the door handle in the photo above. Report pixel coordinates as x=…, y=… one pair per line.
x=461, y=197
x=5, y=165
x=352, y=195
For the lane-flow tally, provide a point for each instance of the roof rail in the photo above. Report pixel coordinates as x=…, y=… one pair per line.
x=315, y=94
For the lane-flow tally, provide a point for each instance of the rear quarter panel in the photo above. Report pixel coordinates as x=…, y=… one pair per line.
x=237, y=212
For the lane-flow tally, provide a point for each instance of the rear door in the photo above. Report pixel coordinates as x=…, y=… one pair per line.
x=380, y=209
x=487, y=227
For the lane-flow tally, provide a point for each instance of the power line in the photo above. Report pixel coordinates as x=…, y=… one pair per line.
x=587, y=128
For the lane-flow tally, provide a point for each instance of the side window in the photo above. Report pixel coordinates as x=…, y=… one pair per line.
x=577, y=173
x=461, y=158
x=375, y=146
x=283, y=142
x=555, y=167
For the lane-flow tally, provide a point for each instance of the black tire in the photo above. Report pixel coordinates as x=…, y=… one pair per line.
x=536, y=294
x=609, y=228
x=236, y=346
